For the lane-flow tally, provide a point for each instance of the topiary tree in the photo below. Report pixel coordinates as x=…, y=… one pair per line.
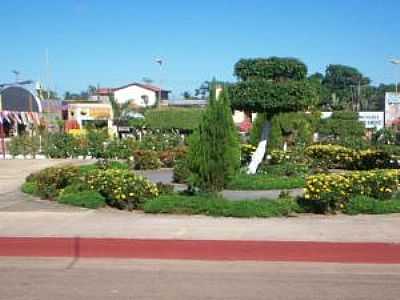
x=272, y=85
x=214, y=151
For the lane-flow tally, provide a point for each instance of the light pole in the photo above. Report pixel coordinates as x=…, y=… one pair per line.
x=395, y=62
x=160, y=63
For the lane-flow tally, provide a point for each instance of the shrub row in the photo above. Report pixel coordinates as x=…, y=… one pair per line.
x=335, y=156
x=119, y=186
x=330, y=192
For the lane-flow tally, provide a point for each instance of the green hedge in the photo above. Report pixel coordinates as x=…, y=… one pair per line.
x=336, y=156
x=87, y=199
x=265, y=182
x=219, y=207
x=173, y=118
x=266, y=96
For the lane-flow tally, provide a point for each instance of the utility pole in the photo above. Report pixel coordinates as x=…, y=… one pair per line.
x=160, y=63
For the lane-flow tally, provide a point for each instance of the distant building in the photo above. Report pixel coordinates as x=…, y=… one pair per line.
x=88, y=113
x=141, y=95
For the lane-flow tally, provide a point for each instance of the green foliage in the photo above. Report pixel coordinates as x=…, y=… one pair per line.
x=161, y=141
x=273, y=68
x=273, y=97
x=332, y=191
x=339, y=157
x=59, y=145
x=181, y=171
x=368, y=205
x=214, y=151
x=218, y=207
x=343, y=128
x=256, y=130
x=30, y=187
x=384, y=136
x=165, y=188
x=146, y=160
x=169, y=157
x=173, y=118
x=51, y=181
x=265, y=182
x=87, y=199
x=121, y=188
x=284, y=169
x=23, y=145
x=96, y=142
x=120, y=149
x=296, y=129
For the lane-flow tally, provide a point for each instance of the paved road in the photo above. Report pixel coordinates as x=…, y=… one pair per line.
x=57, y=279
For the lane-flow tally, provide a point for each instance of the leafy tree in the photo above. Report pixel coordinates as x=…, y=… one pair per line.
x=344, y=85
x=214, y=152
x=272, y=85
x=343, y=128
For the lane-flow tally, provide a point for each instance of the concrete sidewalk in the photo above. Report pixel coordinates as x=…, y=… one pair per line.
x=21, y=215
x=108, y=223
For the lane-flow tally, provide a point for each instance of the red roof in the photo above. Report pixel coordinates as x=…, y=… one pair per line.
x=104, y=91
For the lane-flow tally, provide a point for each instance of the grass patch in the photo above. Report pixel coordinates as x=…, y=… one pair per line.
x=264, y=182
x=30, y=187
x=88, y=199
x=368, y=205
x=85, y=169
x=219, y=207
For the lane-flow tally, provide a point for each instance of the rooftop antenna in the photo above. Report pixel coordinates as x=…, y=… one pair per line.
x=16, y=73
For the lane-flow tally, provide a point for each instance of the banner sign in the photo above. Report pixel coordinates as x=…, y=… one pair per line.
x=392, y=108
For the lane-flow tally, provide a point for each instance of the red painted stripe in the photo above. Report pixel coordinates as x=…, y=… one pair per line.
x=382, y=253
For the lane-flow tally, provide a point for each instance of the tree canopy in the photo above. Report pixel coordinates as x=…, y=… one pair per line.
x=272, y=85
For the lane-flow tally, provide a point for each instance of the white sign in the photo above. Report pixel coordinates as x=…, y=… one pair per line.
x=392, y=98
x=372, y=119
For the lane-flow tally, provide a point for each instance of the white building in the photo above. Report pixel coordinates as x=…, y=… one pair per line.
x=139, y=94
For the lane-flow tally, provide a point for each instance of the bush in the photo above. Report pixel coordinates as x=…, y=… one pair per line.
x=368, y=205
x=332, y=191
x=165, y=188
x=215, y=206
x=24, y=145
x=169, y=157
x=59, y=145
x=285, y=169
x=247, y=151
x=30, y=187
x=121, y=188
x=88, y=199
x=343, y=128
x=173, y=118
x=160, y=141
x=181, y=171
x=339, y=157
x=146, y=160
x=264, y=182
x=51, y=181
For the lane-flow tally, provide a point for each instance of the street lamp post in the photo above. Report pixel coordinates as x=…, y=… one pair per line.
x=395, y=62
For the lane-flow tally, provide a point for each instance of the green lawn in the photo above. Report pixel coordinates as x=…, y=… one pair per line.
x=264, y=182
x=367, y=205
x=215, y=206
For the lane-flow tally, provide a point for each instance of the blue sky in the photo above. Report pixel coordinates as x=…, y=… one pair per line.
x=112, y=43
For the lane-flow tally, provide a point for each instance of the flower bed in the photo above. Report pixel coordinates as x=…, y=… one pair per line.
x=335, y=156
x=332, y=191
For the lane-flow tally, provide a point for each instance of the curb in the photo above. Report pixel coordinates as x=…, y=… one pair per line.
x=219, y=250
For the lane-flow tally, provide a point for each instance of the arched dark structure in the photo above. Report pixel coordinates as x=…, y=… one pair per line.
x=19, y=99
